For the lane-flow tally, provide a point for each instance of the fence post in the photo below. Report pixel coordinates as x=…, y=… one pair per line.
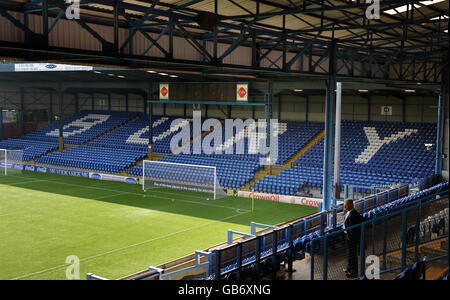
x=362, y=251
x=258, y=254
x=384, y=243
x=274, y=254
x=325, y=258
x=312, y=259
x=373, y=237
x=404, y=228
x=417, y=232
x=239, y=262
x=290, y=249
x=217, y=264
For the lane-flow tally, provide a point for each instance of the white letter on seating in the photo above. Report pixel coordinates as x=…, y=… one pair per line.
x=375, y=143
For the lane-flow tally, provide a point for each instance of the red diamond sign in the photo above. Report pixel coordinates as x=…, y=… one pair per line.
x=242, y=92
x=164, y=91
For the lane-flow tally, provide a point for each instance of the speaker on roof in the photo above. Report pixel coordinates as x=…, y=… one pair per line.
x=207, y=20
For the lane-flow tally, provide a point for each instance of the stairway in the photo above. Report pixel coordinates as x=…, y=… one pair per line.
x=157, y=157
x=302, y=151
x=111, y=130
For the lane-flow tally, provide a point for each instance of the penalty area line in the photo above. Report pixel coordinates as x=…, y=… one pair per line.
x=143, y=195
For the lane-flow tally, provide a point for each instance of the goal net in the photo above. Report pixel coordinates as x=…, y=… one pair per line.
x=11, y=162
x=196, y=178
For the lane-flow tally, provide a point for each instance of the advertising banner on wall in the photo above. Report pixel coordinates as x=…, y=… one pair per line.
x=44, y=67
x=110, y=177
x=283, y=198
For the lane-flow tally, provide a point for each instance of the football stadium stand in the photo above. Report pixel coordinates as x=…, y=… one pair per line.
x=236, y=170
x=82, y=127
x=32, y=149
x=135, y=135
x=94, y=158
x=372, y=154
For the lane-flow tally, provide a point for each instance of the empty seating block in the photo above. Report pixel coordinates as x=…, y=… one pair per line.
x=81, y=127
x=230, y=173
x=135, y=135
x=372, y=154
x=94, y=158
x=32, y=149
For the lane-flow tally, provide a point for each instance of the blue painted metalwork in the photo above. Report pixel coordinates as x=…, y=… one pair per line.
x=1, y=124
x=254, y=225
x=232, y=232
x=440, y=132
x=328, y=145
x=208, y=103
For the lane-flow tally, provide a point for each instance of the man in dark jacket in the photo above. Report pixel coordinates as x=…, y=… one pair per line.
x=352, y=237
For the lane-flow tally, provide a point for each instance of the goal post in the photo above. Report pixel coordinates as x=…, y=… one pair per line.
x=197, y=178
x=11, y=161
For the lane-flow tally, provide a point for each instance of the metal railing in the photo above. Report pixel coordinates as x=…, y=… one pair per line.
x=396, y=237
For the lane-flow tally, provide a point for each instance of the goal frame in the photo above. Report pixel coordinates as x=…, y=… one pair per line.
x=6, y=160
x=180, y=164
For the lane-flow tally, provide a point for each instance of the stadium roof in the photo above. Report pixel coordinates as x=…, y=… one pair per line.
x=409, y=38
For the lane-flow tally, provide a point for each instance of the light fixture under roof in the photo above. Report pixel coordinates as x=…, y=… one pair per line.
x=403, y=8
x=400, y=9
x=112, y=75
x=163, y=74
x=298, y=90
x=97, y=72
x=150, y=71
x=410, y=91
x=430, y=2
x=173, y=76
x=121, y=76
x=442, y=17
x=363, y=91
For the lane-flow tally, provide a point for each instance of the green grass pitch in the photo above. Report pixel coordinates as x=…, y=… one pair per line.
x=114, y=228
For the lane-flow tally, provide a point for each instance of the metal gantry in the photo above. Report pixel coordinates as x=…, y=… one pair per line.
x=409, y=46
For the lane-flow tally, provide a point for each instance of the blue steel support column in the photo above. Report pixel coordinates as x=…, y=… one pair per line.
x=328, y=145
x=150, y=124
x=328, y=148
x=307, y=109
x=269, y=98
x=440, y=131
x=61, y=120
x=22, y=111
x=50, y=108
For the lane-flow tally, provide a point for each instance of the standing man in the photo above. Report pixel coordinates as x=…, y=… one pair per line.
x=352, y=238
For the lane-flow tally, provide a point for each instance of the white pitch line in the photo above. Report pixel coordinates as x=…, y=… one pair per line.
x=18, y=212
x=143, y=195
x=23, y=182
x=130, y=246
